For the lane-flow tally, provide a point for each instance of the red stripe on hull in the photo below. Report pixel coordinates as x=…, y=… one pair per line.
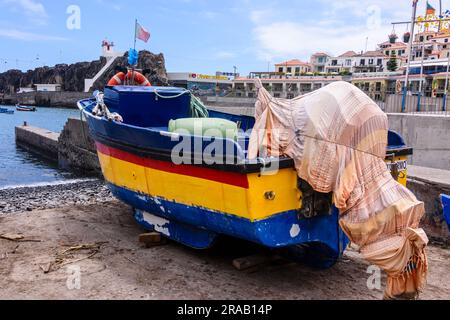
x=231, y=178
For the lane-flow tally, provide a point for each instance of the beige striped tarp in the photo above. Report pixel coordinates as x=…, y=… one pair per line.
x=337, y=137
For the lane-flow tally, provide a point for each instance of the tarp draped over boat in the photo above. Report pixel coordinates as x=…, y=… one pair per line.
x=337, y=137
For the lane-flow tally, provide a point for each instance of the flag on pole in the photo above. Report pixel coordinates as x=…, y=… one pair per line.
x=141, y=33
x=430, y=9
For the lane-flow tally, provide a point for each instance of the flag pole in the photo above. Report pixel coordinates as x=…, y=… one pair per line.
x=135, y=34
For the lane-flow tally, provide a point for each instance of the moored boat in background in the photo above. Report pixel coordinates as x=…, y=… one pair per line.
x=6, y=111
x=25, y=108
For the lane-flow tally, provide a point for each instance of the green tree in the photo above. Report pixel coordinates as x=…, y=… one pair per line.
x=392, y=64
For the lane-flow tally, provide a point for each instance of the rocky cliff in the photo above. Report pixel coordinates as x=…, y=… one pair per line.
x=71, y=77
x=153, y=65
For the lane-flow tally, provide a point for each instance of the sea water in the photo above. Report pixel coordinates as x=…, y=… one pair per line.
x=19, y=167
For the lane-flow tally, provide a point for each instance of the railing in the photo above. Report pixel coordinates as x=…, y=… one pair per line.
x=411, y=103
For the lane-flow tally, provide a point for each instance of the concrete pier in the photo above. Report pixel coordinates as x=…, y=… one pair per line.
x=38, y=140
x=73, y=149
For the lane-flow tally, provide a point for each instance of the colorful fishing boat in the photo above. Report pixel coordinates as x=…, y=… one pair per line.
x=25, y=108
x=6, y=111
x=262, y=200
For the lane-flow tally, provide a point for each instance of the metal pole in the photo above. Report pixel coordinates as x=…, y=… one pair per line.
x=405, y=88
x=444, y=105
x=135, y=33
x=419, y=97
x=440, y=15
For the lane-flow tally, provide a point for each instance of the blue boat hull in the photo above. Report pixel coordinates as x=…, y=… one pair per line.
x=177, y=221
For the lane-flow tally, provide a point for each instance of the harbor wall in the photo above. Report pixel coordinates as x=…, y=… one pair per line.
x=428, y=134
x=428, y=185
x=60, y=99
x=230, y=101
x=76, y=149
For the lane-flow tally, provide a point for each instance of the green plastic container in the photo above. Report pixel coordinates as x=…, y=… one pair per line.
x=206, y=127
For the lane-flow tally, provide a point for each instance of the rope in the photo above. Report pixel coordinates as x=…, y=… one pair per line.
x=198, y=109
x=171, y=97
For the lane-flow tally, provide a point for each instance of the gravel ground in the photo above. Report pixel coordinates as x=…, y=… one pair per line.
x=55, y=218
x=53, y=196
x=111, y=264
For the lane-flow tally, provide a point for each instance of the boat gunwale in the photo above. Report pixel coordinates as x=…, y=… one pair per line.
x=245, y=167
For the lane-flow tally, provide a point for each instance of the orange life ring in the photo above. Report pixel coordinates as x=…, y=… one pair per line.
x=132, y=77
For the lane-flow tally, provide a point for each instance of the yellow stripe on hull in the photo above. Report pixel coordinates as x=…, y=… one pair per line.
x=248, y=203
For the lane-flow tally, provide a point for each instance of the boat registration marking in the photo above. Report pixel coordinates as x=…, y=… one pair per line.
x=401, y=165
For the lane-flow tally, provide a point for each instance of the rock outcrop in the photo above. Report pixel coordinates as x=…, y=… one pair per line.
x=153, y=66
x=71, y=77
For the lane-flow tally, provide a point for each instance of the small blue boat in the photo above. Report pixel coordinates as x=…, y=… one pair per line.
x=6, y=111
x=446, y=206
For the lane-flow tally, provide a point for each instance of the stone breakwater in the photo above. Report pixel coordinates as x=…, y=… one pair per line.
x=23, y=199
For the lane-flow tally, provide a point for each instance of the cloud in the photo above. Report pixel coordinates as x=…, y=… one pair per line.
x=211, y=15
x=289, y=39
x=28, y=36
x=258, y=16
x=110, y=4
x=225, y=55
x=34, y=10
x=334, y=27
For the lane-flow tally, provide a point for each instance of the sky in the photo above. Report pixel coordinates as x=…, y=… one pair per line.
x=199, y=36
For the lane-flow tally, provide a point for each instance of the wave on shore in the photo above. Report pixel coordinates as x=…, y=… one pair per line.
x=48, y=184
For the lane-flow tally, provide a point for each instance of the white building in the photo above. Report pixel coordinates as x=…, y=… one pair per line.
x=25, y=90
x=318, y=62
x=352, y=62
x=343, y=63
x=371, y=61
x=48, y=87
x=398, y=48
x=110, y=55
x=281, y=86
